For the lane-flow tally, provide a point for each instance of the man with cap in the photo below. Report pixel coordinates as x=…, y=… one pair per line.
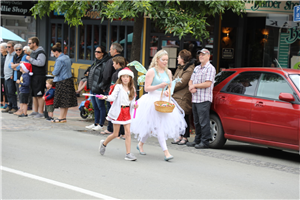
x=201, y=85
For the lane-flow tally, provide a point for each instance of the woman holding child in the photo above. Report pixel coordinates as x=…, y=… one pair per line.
x=65, y=96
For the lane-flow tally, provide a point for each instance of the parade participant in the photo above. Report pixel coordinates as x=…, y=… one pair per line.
x=201, y=86
x=49, y=98
x=65, y=96
x=148, y=121
x=182, y=94
x=24, y=82
x=123, y=97
x=94, y=80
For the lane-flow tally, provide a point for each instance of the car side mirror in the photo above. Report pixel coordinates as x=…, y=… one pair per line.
x=286, y=97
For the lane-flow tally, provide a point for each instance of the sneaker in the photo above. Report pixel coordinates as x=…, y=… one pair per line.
x=49, y=119
x=33, y=114
x=39, y=115
x=5, y=110
x=97, y=128
x=23, y=115
x=130, y=156
x=29, y=108
x=101, y=147
x=90, y=126
x=4, y=107
x=12, y=111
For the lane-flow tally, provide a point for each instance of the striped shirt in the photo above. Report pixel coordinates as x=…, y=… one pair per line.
x=200, y=75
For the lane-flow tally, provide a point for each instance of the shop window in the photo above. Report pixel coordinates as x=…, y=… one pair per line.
x=61, y=33
x=118, y=34
x=90, y=37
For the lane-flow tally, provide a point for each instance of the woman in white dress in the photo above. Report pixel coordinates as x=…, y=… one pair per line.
x=148, y=121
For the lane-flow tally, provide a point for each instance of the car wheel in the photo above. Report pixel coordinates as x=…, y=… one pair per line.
x=217, y=134
x=83, y=113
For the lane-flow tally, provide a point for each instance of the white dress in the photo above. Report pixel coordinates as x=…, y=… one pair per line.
x=150, y=122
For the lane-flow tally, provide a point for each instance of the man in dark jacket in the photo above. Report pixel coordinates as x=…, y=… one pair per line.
x=115, y=50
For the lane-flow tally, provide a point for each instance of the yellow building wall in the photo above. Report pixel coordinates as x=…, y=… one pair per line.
x=75, y=67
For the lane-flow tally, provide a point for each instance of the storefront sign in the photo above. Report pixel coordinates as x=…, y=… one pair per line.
x=16, y=7
x=227, y=53
x=272, y=6
x=294, y=34
x=281, y=23
x=93, y=14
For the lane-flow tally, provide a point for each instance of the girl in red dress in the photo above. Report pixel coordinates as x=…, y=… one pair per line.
x=123, y=98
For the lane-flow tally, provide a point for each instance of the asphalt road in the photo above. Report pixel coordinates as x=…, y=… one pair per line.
x=43, y=160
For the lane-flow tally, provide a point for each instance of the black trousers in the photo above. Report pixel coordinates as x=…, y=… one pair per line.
x=187, y=130
x=202, y=122
x=3, y=93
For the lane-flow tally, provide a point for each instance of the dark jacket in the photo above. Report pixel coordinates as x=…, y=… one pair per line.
x=114, y=77
x=25, y=83
x=2, y=65
x=107, y=74
x=182, y=95
x=96, y=75
x=17, y=59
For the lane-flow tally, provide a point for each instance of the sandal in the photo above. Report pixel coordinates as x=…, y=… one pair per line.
x=59, y=120
x=183, y=141
x=105, y=132
x=176, y=142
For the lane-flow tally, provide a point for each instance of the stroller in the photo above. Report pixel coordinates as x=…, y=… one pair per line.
x=86, y=109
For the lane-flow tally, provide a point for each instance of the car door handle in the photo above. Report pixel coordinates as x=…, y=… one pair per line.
x=259, y=104
x=222, y=98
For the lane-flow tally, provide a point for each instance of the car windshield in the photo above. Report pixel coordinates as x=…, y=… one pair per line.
x=296, y=80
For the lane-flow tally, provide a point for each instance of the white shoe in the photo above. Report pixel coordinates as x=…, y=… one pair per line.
x=97, y=128
x=90, y=126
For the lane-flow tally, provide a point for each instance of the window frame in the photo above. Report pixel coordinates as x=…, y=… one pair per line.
x=63, y=24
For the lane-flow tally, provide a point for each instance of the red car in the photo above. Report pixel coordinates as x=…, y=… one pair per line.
x=258, y=106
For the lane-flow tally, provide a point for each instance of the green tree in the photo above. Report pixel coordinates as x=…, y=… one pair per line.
x=179, y=18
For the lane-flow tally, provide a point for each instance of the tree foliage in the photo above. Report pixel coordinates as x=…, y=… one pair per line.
x=179, y=18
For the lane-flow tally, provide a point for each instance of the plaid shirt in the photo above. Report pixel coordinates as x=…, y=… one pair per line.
x=200, y=75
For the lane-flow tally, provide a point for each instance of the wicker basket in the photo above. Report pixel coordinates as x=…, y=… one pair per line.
x=164, y=109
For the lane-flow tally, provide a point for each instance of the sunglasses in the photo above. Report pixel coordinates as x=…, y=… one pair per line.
x=8, y=47
x=98, y=52
x=18, y=49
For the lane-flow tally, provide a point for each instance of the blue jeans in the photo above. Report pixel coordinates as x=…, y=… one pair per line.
x=99, y=110
x=202, y=122
x=10, y=87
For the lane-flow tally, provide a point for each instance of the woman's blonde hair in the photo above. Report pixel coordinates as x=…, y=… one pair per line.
x=130, y=86
x=157, y=56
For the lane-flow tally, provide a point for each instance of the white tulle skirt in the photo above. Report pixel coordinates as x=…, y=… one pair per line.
x=150, y=122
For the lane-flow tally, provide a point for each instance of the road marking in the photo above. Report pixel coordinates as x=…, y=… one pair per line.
x=64, y=185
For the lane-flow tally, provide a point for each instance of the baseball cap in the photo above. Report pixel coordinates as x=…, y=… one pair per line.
x=205, y=51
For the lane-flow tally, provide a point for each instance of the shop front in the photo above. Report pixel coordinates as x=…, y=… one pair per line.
x=263, y=35
x=16, y=17
x=80, y=42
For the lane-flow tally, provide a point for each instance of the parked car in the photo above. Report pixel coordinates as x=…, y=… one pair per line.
x=258, y=106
